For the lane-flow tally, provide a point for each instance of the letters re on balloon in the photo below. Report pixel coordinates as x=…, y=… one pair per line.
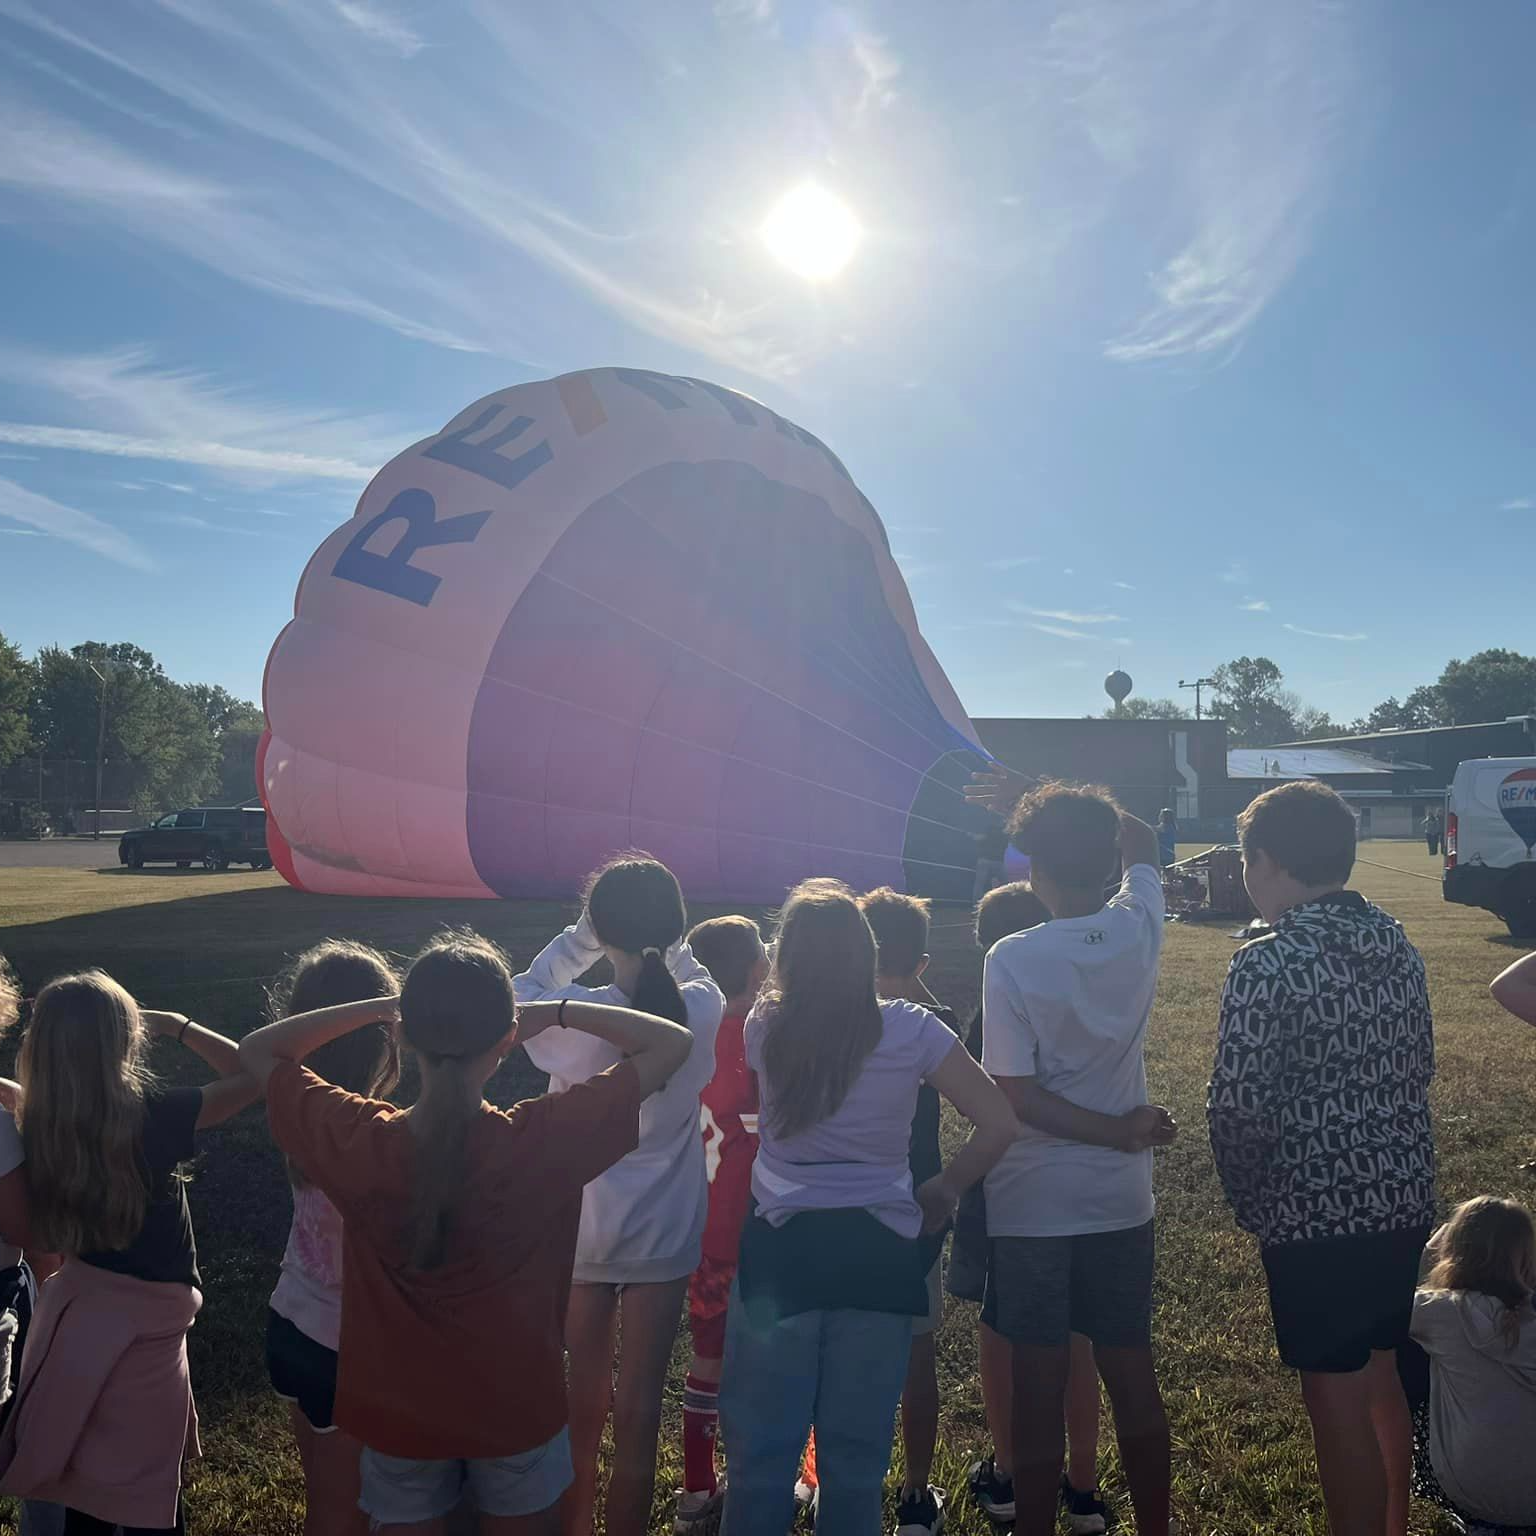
x=614, y=609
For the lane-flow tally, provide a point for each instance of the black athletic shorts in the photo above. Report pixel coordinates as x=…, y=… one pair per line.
x=302, y=1371
x=1042, y=1290
x=1336, y=1300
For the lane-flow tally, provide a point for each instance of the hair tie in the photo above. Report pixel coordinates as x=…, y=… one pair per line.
x=646, y=954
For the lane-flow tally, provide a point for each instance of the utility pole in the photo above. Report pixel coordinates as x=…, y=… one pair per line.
x=101, y=739
x=1197, y=685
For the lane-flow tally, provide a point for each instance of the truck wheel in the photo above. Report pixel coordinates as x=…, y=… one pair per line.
x=1521, y=921
x=133, y=856
x=214, y=857
x=183, y=863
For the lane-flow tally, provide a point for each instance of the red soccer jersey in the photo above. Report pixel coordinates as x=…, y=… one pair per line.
x=728, y=1121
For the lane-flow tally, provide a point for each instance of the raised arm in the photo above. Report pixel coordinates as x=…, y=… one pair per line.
x=656, y=1048
x=1515, y=988
x=556, y=966
x=234, y=1090
x=960, y=1079
x=1138, y=842
x=293, y=1038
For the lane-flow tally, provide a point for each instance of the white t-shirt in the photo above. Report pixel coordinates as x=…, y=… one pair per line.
x=643, y=1219
x=11, y=1158
x=1067, y=1003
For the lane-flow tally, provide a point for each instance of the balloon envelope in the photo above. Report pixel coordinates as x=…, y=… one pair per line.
x=614, y=609
x=1517, y=804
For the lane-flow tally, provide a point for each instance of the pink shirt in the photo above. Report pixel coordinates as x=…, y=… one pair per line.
x=308, y=1291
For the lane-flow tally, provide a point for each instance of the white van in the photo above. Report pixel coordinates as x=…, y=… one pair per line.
x=1490, y=832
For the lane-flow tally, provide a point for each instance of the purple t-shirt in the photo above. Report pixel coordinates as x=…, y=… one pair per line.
x=858, y=1155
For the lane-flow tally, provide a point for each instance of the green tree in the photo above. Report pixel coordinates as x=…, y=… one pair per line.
x=1147, y=709
x=15, y=702
x=1421, y=709
x=1248, y=694
x=158, y=743
x=222, y=710
x=1492, y=685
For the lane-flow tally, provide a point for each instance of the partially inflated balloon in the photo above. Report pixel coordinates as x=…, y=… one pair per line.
x=614, y=609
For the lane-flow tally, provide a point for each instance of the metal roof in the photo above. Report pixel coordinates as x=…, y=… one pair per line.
x=1306, y=763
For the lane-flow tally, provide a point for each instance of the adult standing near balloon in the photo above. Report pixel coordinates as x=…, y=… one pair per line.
x=642, y=1221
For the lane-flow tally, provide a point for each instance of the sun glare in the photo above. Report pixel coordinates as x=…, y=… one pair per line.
x=812, y=232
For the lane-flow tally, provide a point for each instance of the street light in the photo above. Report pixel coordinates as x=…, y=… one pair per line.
x=101, y=738
x=1197, y=685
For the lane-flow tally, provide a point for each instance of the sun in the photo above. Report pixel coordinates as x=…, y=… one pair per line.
x=812, y=232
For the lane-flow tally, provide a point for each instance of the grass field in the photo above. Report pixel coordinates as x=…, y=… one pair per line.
x=206, y=944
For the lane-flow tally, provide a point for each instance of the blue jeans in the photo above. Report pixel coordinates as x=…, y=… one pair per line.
x=840, y=1371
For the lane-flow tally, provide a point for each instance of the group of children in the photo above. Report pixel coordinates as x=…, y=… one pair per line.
x=470, y=1296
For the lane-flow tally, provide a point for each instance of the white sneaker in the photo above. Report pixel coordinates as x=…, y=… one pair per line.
x=698, y=1513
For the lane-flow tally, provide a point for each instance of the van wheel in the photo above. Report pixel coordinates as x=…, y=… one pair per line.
x=1521, y=921
x=183, y=863
x=213, y=857
x=133, y=856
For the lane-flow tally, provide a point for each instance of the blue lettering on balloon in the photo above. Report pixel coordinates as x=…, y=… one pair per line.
x=653, y=385
x=393, y=573
x=482, y=458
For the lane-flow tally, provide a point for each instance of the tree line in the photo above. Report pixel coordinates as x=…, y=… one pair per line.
x=1249, y=693
x=165, y=743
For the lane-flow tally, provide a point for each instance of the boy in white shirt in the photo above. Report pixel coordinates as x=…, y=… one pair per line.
x=1069, y=1208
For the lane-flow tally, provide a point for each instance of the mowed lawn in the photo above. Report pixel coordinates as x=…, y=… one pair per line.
x=207, y=944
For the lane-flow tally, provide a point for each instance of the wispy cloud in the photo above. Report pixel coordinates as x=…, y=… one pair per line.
x=20, y=458
x=1254, y=605
x=1124, y=586
x=1067, y=616
x=1247, y=105
x=877, y=67
x=380, y=27
x=255, y=461
x=176, y=416
x=1519, y=504
x=1235, y=574
x=1324, y=634
x=1064, y=634
x=44, y=515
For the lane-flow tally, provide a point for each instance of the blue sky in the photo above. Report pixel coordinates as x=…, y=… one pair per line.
x=1179, y=330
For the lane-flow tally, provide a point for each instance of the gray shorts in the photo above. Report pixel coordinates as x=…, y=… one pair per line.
x=933, y=1319
x=1041, y=1290
x=399, y=1491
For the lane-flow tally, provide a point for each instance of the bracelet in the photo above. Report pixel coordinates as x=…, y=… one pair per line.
x=560, y=1012
x=183, y=1033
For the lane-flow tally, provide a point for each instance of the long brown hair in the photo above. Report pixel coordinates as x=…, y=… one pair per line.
x=822, y=1018
x=1489, y=1246
x=455, y=1006
x=82, y=1069
x=365, y=1061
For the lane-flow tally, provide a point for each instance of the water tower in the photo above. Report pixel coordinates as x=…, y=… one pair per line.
x=1118, y=686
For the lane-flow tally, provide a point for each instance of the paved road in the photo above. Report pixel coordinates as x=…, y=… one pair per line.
x=60, y=853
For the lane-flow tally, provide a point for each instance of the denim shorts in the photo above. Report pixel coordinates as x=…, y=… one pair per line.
x=399, y=1491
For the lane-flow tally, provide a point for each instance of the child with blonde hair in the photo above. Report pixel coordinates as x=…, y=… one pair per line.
x=104, y=1417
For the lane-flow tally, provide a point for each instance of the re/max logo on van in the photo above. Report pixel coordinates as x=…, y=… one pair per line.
x=1517, y=793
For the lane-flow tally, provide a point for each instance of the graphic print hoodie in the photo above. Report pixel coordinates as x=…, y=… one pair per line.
x=1318, y=1103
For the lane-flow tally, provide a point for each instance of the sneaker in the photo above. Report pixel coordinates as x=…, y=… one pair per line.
x=921, y=1514
x=698, y=1513
x=1086, y=1514
x=993, y=1494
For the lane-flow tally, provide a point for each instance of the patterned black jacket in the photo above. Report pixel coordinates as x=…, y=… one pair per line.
x=1318, y=1104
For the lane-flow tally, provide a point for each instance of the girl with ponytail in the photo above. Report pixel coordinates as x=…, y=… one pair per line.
x=641, y=1221
x=459, y=1229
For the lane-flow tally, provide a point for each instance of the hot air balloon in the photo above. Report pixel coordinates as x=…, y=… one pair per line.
x=613, y=609
x=1517, y=804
